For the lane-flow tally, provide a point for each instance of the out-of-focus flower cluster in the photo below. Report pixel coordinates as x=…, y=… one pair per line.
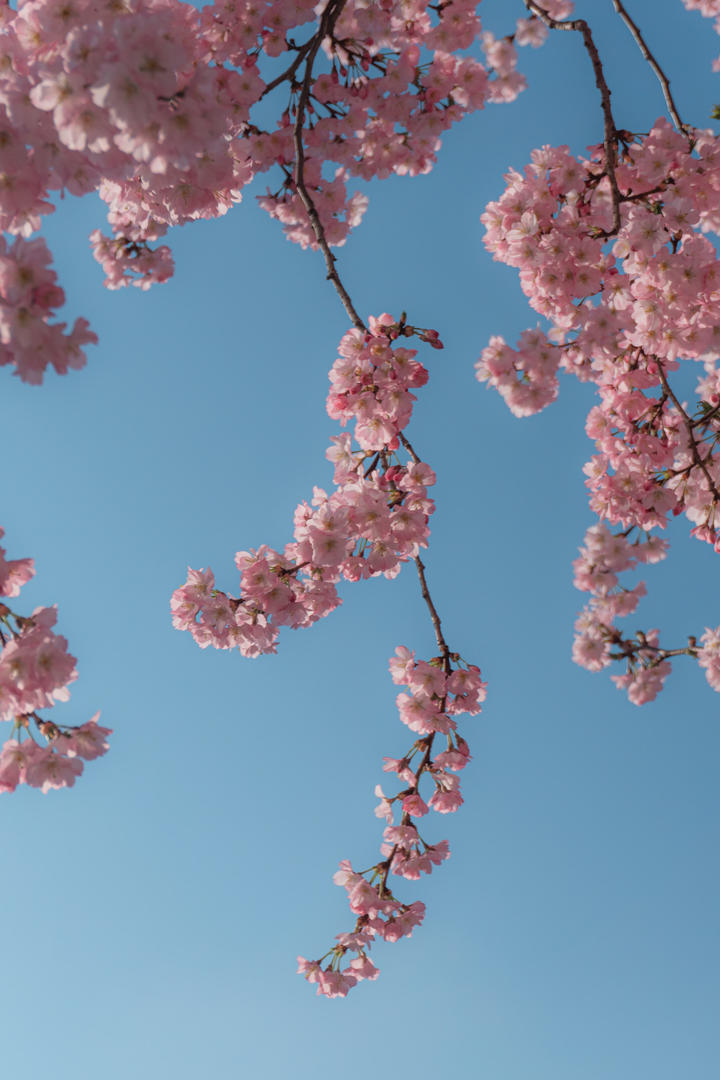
x=35, y=672
x=150, y=103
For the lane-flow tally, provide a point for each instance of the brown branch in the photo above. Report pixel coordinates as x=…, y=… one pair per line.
x=442, y=644
x=409, y=448
x=630, y=649
x=329, y=17
x=610, y=127
x=706, y=418
x=647, y=55
x=372, y=466
x=289, y=71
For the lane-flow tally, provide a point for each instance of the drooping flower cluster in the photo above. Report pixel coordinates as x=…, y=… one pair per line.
x=35, y=671
x=598, y=640
x=603, y=557
x=438, y=693
x=630, y=285
x=374, y=520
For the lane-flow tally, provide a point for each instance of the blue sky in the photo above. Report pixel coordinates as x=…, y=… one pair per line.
x=153, y=913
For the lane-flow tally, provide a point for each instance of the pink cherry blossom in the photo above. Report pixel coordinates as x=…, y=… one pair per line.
x=35, y=670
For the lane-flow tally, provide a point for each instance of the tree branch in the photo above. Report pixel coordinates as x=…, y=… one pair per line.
x=647, y=55
x=610, y=128
x=329, y=17
x=290, y=71
x=442, y=644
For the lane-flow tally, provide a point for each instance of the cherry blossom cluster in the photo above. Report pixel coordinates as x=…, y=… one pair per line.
x=602, y=558
x=598, y=641
x=162, y=108
x=391, y=83
x=711, y=10
x=375, y=519
x=437, y=693
x=159, y=107
x=618, y=263
x=35, y=671
x=29, y=340
x=648, y=285
x=131, y=262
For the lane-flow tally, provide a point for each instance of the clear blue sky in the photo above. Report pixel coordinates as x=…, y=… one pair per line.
x=152, y=915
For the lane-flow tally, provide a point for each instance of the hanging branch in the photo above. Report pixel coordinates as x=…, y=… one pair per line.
x=327, y=22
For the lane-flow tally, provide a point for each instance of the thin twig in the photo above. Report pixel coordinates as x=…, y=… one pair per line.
x=329, y=17
x=408, y=446
x=647, y=55
x=442, y=644
x=289, y=72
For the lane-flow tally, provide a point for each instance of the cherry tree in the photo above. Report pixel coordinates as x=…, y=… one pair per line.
x=157, y=106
